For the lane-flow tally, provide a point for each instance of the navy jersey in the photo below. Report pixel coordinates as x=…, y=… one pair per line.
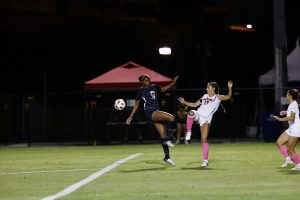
x=149, y=96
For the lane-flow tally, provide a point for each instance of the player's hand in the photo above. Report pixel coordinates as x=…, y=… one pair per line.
x=277, y=118
x=230, y=84
x=128, y=120
x=282, y=113
x=181, y=100
x=175, y=79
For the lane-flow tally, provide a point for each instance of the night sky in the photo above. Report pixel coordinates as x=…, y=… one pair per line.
x=74, y=41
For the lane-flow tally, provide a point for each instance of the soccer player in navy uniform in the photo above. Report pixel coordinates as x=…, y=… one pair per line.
x=162, y=120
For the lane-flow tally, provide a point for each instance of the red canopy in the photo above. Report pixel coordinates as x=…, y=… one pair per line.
x=125, y=77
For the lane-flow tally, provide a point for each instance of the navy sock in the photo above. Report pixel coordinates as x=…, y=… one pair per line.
x=165, y=148
x=169, y=126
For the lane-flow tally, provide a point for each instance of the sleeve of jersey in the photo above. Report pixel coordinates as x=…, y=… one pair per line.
x=294, y=108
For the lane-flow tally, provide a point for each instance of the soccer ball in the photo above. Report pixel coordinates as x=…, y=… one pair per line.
x=120, y=104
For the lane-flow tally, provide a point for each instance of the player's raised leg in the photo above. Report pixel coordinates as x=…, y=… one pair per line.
x=189, y=123
x=168, y=119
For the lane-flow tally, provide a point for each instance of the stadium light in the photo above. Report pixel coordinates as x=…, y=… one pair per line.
x=249, y=26
x=165, y=51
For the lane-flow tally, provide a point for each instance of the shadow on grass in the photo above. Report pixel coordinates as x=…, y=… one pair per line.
x=200, y=168
x=143, y=170
x=195, y=162
x=154, y=162
x=293, y=172
x=288, y=171
x=162, y=164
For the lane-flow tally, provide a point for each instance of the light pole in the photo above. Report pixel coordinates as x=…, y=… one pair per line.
x=280, y=48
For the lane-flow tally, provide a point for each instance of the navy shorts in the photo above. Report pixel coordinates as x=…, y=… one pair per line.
x=149, y=115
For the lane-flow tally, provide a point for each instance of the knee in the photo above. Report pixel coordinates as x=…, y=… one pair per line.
x=172, y=118
x=191, y=113
x=279, y=143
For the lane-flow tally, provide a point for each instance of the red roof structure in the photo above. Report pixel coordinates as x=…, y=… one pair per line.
x=125, y=77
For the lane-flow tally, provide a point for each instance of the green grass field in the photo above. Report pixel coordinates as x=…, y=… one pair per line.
x=236, y=171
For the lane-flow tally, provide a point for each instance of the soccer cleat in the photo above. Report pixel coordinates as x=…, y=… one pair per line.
x=188, y=135
x=168, y=160
x=186, y=142
x=169, y=143
x=287, y=162
x=297, y=167
x=204, y=163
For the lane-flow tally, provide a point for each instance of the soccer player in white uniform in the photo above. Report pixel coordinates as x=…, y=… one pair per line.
x=291, y=135
x=209, y=103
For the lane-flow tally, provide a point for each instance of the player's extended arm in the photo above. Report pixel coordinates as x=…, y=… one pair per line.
x=285, y=119
x=193, y=105
x=134, y=109
x=165, y=88
x=227, y=97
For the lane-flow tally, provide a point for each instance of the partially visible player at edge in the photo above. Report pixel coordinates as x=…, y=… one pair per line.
x=162, y=121
x=292, y=134
x=209, y=104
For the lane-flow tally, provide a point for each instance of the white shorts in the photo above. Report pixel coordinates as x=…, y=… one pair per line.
x=293, y=131
x=200, y=119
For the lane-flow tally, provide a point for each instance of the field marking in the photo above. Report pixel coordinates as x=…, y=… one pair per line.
x=92, y=177
x=45, y=171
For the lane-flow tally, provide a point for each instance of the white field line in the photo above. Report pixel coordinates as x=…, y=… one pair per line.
x=45, y=171
x=92, y=177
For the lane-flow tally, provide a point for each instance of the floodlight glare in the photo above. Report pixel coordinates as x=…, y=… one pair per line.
x=249, y=26
x=164, y=51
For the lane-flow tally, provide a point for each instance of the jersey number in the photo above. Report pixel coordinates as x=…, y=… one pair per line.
x=152, y=93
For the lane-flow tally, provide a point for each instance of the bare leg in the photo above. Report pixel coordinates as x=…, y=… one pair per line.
x=282, y=139
x=160, y=116
x=204, y=132
x=161, y=129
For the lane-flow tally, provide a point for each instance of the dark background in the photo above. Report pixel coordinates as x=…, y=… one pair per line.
x=72, y=41
x=49, y=48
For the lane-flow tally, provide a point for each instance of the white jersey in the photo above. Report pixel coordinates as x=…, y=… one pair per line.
x=209, y=105
x=293, y=107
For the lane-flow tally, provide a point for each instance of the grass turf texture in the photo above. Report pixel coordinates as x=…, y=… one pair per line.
x=236, y=171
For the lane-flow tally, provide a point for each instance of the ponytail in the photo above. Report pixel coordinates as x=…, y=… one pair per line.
x=295, y=95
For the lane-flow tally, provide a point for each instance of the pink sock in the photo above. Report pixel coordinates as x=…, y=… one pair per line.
x=284, y=151
x=189, y=123
x=205, y=151
x=295, y=158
